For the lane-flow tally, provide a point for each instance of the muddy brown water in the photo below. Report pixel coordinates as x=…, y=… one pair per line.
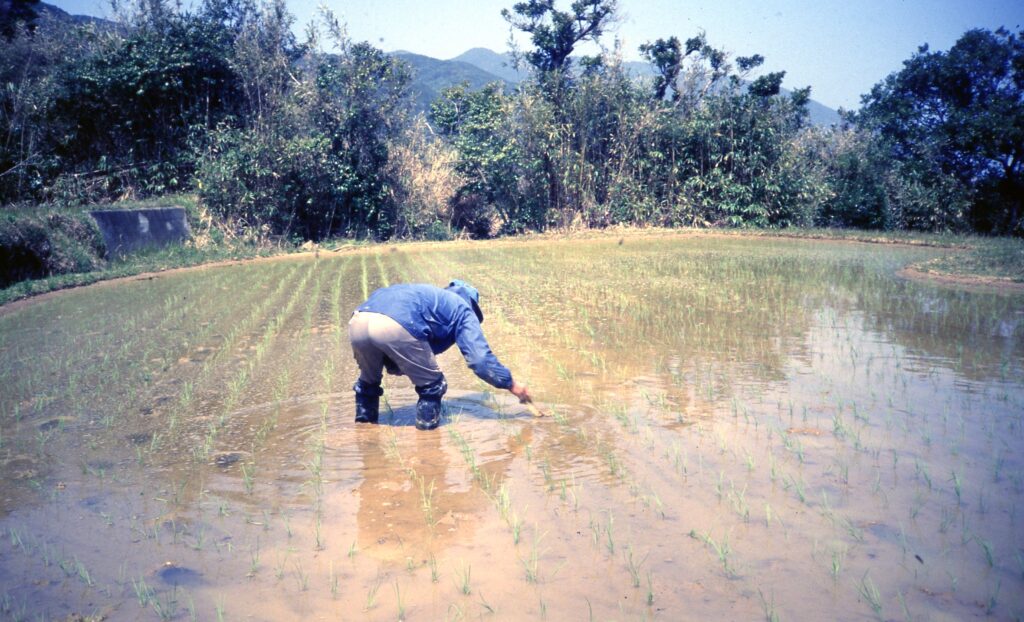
x=739, y=429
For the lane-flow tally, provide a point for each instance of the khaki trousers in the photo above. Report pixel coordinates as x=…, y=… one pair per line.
x=374, y=336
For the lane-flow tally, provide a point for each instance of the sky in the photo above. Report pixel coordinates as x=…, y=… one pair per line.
x=840, y=48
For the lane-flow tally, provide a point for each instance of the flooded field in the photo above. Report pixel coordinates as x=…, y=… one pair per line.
x=739, y=429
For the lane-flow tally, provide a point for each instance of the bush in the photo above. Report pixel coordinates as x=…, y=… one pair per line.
x=265, y=184
x=422, y=167
x=37, y=244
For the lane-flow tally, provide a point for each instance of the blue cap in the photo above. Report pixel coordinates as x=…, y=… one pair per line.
x=469, y=294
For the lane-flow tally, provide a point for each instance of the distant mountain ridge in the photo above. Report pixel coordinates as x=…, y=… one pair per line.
x=431, y=76
x=44, y=10
x=499, y=67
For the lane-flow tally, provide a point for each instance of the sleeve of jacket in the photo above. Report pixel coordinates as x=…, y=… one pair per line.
x=478, y=355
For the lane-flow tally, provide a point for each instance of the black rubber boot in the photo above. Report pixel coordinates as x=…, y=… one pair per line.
x=367, y=401
x=428, y=408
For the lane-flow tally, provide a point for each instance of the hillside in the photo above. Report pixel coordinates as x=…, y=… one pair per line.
x=431, y=76
x=500, y=65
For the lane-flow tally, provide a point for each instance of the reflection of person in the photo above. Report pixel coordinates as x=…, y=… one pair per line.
x=402, y=327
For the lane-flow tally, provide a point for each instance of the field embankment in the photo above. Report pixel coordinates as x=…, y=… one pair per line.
x=47, y=249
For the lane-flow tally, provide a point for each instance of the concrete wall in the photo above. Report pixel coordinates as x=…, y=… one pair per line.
x=125, y=231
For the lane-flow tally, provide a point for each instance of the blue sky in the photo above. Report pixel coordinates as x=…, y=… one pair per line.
x=840, y=48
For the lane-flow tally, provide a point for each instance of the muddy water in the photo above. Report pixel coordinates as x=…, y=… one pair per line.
x=738, y=429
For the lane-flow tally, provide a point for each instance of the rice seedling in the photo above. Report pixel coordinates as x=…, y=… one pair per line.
x=435, y=576
x=768, y=606
x=530, y=564
x=609, y=536
x=838, y=558
x=992, y=599
x=464, y=574
x=722, y=549
x=986, y=547
x=867, y=590
x=166, y=607
x=371, y=594
x=143, y=593
x=633, y=565
x=957, y=487
x=903, y=605
x=401, y=605
x=254, y=559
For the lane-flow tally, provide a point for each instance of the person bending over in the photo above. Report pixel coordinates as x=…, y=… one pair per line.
x=400, y=328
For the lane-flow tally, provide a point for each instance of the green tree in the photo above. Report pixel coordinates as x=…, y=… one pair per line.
x=666, y=55
x=361, y=103
x=477, y=125
x=958, y=116
x=555, y=34
x=32, y=66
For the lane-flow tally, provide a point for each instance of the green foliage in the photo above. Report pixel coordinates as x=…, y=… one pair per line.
x=556, y=33
x=316, y=164
x=18, y=15
x=127, y=112
x=956, y=118
x=285, y=141
x=264, y=183
x=489, y=159
x=39, y=243
x=361, y=101
x=667, y=57
x=32, y=67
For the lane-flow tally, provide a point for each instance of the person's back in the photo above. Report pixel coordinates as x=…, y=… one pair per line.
x=401, y=327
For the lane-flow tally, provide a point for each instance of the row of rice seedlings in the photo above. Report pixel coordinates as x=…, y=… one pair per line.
x=500, y=497
x=185, y=403
x=796, y=451
x=117, y=394
x=207, y=319
x=846, y=525
x=237, y=384
x=70, y=383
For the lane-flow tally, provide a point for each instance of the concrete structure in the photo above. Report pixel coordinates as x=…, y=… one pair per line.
x=125, y=231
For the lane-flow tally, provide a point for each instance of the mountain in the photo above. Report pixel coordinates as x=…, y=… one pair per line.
x=494, y=63
x=819, y=114
x=501, y=65
x=60, y=16
x=431, y=76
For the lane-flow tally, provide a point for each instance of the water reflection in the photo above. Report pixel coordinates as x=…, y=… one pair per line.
x=792, y=403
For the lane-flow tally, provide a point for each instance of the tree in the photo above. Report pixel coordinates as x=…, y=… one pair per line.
x=362, y=101
x=667, y=57
x=960, y=115
x=15, y=14
x=477, y=123
x=131, y=108
x=555, y=33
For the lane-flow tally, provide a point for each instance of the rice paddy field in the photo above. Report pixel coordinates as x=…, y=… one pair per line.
x=738, y=429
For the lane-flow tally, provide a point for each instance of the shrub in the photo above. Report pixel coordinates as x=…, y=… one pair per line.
x=266, y=184
x=40, y=243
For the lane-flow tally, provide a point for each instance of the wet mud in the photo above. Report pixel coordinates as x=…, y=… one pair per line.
x=734, y=429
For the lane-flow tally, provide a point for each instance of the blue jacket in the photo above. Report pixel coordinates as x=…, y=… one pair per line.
x=441, y=317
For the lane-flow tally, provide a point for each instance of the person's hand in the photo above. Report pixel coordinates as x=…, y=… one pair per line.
x=519, y=390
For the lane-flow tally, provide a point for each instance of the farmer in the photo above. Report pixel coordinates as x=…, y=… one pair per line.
x=402, y=327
